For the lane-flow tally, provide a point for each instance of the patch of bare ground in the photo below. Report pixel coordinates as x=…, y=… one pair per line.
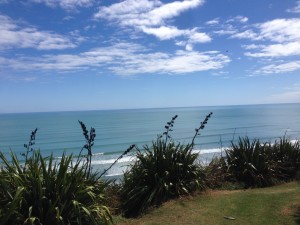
x=290, y=210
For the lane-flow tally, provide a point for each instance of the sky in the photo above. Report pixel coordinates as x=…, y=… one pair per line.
x=69, y=55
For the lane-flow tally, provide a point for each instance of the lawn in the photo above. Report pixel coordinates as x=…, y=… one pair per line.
x=275, y=205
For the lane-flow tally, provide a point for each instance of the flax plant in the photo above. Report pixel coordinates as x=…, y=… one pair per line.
x=163, y=170
x=49, y=191
x=259, y=164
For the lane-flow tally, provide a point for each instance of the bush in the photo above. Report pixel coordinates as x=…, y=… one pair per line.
x=287, y=156
x=259, y=164
x=162, y=171
x=249, y=162
x=47, y=192
x=217, y=176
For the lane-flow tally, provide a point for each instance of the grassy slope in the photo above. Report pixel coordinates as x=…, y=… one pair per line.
x=276, y=205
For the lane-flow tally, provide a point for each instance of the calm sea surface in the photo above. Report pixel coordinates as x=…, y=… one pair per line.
x=116, y=130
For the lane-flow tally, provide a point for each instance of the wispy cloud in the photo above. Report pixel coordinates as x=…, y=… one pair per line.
x=239, y=19
x=278, y=38
x=295, y=9
x=247, y=34
x=280, y=68
x=278, y=30
x=14, y=36
x=214, y=21
x=153, y=18
x=281, y=30
x=277, y=50
x=66, y=4
x=123, y=59
x=144, y=12
x=166, y=33
x=231, y=27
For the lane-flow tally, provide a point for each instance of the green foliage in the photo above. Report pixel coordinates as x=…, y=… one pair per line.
x=47, y=192
x=287, y=157
x=247, y=161
x=217, y=176
x=162, y=171
x=262, y=164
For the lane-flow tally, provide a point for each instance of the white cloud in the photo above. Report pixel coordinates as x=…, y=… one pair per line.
x=279, y=38
x=296, y=9
x=280, y=68
x=180, y=63
x=152, y=17
x=163, y=32
x=277, y=50
x=214, y=21
x=173, y=9
x=189, y=47
x=144, y=12
x=278, y=30
x=248, y=34
x=281, y=30
x=13, y=36
x=227, y=29
x=123, y=59
x=166, y=33
x=66, y=4
x=4, y=1
x=253, y=46
x=239, y=19
x=197, y=37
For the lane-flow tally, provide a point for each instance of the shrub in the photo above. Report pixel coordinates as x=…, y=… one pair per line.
x=287, y=157
x=162, y=171
x=250, y=163
x=47, y=192
x=217, y=176
x=262, y=164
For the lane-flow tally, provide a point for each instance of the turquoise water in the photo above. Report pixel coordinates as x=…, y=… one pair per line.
x=116, y=130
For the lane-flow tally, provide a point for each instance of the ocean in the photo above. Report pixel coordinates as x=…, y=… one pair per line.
x=116, y=130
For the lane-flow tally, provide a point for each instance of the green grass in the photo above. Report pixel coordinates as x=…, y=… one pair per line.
x=274, y=205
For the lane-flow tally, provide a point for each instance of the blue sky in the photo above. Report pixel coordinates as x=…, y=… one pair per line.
x=64, y=55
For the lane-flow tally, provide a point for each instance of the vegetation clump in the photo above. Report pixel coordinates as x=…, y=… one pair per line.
x=47, y=191
x=162, y=171
x=256, y=164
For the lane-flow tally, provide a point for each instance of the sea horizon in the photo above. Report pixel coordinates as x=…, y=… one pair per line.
x=116, y=130
x=145, y=108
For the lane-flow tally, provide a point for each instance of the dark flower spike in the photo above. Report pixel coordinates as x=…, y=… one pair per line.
x=201, y=127
x=29, y=147
x=89, y=138
x=168, y=128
